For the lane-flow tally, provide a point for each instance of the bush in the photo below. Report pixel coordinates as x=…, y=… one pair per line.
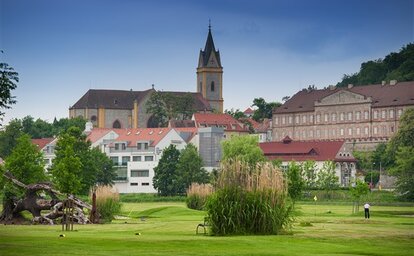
x=197, y=195
x=107, y=203
x=249, y=200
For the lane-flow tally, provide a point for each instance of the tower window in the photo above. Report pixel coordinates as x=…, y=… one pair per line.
x=116, y=125
x=212, y=86
x=201, y=87
x=93, y=118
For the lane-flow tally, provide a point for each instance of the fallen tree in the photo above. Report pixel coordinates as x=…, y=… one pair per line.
x=35, y=201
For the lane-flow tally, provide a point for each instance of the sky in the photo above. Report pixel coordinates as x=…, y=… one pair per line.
x=268, y=49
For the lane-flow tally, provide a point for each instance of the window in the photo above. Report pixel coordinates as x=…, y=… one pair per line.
x=149, y=158
x=212, y=86
x=333, y=117
x=358, y=131
x=311, y=118
x=334, y=132
x=116, y=125
x=342, y=117
x=304, y=119
x=283, y=120
x=145, y=184
x=276, y=120
x=318, y=133
x=114, y=160
x=311, y=133
x=120, y=146
x=290, y=119
x=391, y=113
x=139, y=173
x=304, y=134
x=358, y=115
x=375, y=114
x=366, y=114
x=142, y=145
x=93, y=119
x=392, y=129
x=366, y=130
x=201, y=87
x=133, y=184
x=297, y=119
x=350, y=131
x=349, y=116
x=136, y=158
x=383, y=114
x=375, y=130
x=318, y=118
x=125, y=160
x=399, y=112
x=326, y=117
x=342, y=131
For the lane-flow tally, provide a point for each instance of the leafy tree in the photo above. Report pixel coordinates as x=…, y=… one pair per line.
x=166, y=179
x=8, y=80
x=9, y=136
x=190, y=168
x=309, y=169
x=404, y=171
x=244, y=148
x=357, y=191
x=264, y=109
x=67, y=171
x=327, y=179
x=295, y=181
x=37, y=129
x=237, y=114
x=63, y=124
x=155, y=106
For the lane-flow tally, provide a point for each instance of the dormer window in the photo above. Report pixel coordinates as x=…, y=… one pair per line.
x=142, y=145
x=120, y=146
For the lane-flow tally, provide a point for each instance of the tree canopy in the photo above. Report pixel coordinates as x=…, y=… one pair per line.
x=264, y=109
x=166, y=179
x=244, y=148
x=8, y=80
x=395, y=66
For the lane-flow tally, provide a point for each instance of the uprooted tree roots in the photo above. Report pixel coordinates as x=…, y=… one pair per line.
x=35, y=202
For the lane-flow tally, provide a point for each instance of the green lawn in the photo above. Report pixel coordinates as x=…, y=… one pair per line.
x=169, y=229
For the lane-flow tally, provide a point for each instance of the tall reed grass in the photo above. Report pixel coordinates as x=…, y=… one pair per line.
x=197, y=195
x=107, y=202
x=249, y=200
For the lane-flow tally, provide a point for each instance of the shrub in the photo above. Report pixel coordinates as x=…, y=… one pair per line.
x=107, y=202
x=249, y=200
x=197, y=195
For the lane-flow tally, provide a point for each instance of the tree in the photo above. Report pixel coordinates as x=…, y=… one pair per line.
x=63, y=124
x=264, y=109
x=26, y=164
x=309, y=170
x=327, y=179
x=357, y=191
x=166, y=179
x=237, y=114
x=8, y=80
x=295, y=181
x=37, y=129
x=244, y=148
x=190, y=168
x=9, y=137
x=404, y=171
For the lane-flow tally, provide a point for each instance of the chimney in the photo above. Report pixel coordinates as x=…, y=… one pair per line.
x=350, y=86
x=383, y=82
x=393, y=82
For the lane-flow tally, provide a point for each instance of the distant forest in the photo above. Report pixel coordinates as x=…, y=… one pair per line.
x=395, y=66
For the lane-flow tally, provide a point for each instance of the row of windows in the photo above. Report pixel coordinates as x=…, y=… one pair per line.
x=126, y=159
x=136, y=184
x=341, y=132
x=139, y=173
x=334, y=117
x=212, y=86
x=140, y=146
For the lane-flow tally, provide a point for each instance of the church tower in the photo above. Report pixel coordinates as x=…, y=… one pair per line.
x=210, y=74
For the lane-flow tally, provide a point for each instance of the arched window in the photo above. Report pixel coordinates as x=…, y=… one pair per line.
x=212, y=86
x=93, y=118
x=116, y=125
x=201, y=87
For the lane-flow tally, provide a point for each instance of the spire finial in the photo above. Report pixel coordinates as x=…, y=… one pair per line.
x=209, y=24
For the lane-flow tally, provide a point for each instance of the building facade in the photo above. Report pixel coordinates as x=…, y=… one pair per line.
x=363, y=115
x=127, y=108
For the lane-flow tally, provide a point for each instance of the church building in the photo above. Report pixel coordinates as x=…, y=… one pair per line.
x=127, y=108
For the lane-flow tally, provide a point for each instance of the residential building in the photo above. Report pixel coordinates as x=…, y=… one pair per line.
x=47, y=147
x=229, y=124
x=338, y=151
x=361, y=115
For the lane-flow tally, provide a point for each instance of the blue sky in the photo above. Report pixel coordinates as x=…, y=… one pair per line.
x=268, y=49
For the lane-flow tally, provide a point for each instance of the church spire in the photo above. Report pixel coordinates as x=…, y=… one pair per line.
x=209, y=50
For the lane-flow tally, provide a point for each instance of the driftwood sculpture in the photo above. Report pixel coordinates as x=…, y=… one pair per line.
x=35, y=202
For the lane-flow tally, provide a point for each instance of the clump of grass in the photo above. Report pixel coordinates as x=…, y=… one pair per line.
x=249, y=200
x=305, y=224
x=107, y=202
x=197, y=195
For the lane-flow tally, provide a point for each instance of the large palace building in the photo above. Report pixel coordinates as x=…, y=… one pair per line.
x=127, y=109
x=362, y=115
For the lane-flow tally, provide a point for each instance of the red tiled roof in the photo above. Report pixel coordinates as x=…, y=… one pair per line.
x=382, y=95
x=154, y=135
x=97, y=133
x=212, y=119
x=41, y=143
x=288, y=150
x=248, y=111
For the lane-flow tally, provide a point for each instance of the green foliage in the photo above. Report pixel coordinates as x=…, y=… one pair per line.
x=8, y=80
x=357, y=191
x=37, y=129
x=244, y=148
x=404, y=171
x=166, y=106
x=327, y=179
x=166, y=179
x=190, y=168
x=145, y=197
x=107, y=203
x=372, y=176
x=363, y=160
x=309, y=171
x=395, y=66
x=9, y=136
x=296, y=183
x=237, y=114
x=197, y=195
x=264, y=109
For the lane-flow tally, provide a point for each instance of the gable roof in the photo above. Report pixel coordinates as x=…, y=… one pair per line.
x=97, y=133
x=248, y=111
x=288, y=150
x=382, y=96
x=132, y=136
x=41, y=143
x=219, y=120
